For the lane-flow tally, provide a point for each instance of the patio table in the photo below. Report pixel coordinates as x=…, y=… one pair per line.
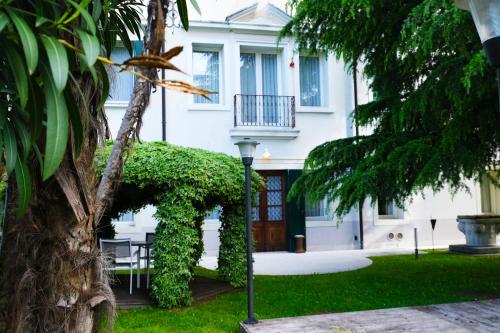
x=139, y=245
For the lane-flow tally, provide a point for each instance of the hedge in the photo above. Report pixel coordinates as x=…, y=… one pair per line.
x=183, y=184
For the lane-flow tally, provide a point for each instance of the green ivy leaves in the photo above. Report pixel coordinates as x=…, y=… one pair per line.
x=183, y=183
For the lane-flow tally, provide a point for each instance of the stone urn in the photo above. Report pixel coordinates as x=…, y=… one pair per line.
x=480, y=234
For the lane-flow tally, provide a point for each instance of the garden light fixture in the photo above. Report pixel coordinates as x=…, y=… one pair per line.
x=247, y=147
x=266, y=155
x=247, y=151
x=486, y=16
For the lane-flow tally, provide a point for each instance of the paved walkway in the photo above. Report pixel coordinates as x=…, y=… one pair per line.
x=285, y=263
x=483, y=317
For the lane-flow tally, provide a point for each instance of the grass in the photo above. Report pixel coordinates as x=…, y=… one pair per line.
x=391, y=281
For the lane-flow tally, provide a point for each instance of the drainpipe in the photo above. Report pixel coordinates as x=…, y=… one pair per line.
x=360, y=209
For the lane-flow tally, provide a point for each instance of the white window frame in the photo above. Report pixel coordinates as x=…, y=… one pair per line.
x=203, y=47
x=324, y=85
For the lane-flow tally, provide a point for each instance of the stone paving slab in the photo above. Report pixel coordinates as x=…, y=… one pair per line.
x=467, y=317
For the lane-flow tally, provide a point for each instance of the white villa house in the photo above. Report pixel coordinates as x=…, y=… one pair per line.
x=289, y=102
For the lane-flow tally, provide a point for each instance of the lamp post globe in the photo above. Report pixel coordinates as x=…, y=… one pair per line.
x=247, y=152
x=247, y=148
x=486, y=16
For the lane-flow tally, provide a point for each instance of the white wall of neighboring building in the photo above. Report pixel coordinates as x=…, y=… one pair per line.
x=211, y=127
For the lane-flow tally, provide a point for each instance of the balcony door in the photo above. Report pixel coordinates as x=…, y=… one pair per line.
x=269, y=224
x=259, y=89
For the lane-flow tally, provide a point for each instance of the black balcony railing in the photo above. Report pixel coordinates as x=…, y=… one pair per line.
x=264, y=110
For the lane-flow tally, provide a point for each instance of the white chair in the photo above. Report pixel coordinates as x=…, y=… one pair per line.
x=118, y=253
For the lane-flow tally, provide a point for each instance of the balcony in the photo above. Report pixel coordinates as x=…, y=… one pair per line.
x=264, y=117
x=264, y=110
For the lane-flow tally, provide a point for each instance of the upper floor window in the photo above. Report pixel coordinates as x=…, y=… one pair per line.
x=316, y=210
x=122, y=82
x=207, y=74
x=310, y=81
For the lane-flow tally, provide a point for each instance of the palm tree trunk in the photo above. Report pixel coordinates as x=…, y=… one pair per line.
x=51, y=270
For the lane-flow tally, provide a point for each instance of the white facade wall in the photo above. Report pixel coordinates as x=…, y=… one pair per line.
x=211, y=127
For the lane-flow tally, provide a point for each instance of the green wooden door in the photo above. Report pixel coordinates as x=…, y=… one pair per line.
x=295, y=213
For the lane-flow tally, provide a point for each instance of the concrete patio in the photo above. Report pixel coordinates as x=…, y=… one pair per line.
x=483, y=316
x=285, y=263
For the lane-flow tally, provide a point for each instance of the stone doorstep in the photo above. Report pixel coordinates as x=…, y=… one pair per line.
x=466, y=317
x=468, y=249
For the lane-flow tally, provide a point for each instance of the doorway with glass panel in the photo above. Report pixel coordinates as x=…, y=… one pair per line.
x=260, y=104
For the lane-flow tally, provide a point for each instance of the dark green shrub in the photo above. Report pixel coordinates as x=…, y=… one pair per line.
x=184, y=183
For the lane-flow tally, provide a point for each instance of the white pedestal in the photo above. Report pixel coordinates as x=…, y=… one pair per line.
x=480, y=234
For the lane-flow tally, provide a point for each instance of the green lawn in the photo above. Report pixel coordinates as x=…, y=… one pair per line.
x=391, y=281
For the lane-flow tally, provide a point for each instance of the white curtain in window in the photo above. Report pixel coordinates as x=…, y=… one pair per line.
x=310, y=83
x=248, y=83
x=270, y=88
x=122, y=83
x=206, y=74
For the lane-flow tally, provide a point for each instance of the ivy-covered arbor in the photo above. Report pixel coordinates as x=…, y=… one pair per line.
x=183, y=184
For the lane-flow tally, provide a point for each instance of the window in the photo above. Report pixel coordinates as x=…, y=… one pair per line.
x=126, y=217
x=122, y=83
x=385, y=208
x=389, y=209
x=214, y=214
x=316, y=210
x=206, y=74
x=310, y=81
x=259, y=88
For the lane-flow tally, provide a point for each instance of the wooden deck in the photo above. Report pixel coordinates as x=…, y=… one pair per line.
x=201, y=288
x=482, y=316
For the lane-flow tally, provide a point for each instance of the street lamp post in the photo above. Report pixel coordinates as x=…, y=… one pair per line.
x=247, y=151
x=486, y=16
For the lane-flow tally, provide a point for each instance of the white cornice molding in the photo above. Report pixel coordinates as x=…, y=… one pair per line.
x=237, y=26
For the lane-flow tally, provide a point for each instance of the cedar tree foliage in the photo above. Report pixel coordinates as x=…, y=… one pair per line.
x=434, y=116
